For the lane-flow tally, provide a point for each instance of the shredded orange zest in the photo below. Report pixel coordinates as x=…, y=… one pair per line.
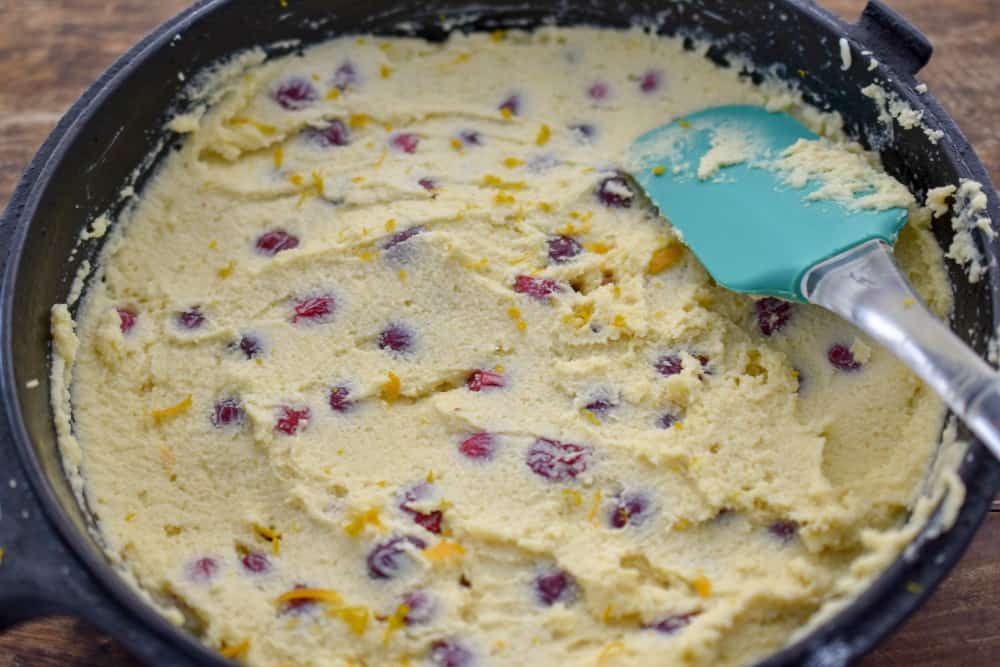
x=702, y=586
x=333, y=94
x=682, y=525
x=261, y=127
x=596, y=507
x=366, y=256
x=236, y=650
x=358, y=179
x=591, y=417
x=227, y=270
x=606, y=615
x=506, y=113
x=213, y=245
x=500, y=184
x=327, y=595
x=504, y=198
x=390, y=224
x=2, y=552
x=430, y=477
x=678, y=425
x=266, y=532
x=173, y=410
x=317, y=182
x=358, y=120
x=456, y=144
x=498, y=35
x=514, y=313
x=395, y=622
x=130, y=517
x=369, y=517
x=597, y=247
x=356, y=618
x=279, y=157
x=512, y=162
x=522, y=325
x=402, y=274
x=296, y=180
x=574, y=496
x=659, y=170
x=581, y=315
x=684, y=123
x=544, y=134
x=664, y=258
x=444, y=551
x=385, y=71
x=618, y=321
x=545, y=206
x=392, y=388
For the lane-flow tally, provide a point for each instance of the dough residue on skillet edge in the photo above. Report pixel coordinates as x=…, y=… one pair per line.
x=389, y=364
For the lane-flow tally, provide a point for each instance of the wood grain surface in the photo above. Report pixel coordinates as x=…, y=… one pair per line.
x=50, y=50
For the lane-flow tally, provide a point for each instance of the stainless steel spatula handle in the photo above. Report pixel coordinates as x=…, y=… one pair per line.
x=865, y=286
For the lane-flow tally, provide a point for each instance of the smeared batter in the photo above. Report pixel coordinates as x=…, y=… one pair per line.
x=390, y=365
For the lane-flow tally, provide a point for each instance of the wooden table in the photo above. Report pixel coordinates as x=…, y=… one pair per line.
x=50, y=50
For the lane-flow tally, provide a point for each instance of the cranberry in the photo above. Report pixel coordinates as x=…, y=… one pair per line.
x=346, y=75
x=227, y=412
x=842, y=358
x=512, y=104
x=338, y=399
x=772, y=314
x=481, y=378
x=428, y=520
x=563, y=248
x=256, y=563
x=650, y=81
x=629, y=509
x=470, y=138
x=584, y=132
x=203, y=569
x=405, y=141
x=450, y=654
x=190, y=319
x=250, y=346
x=667, y=420
x=669, y=364
x=273, y=242
x=784, y=530
x=557, y=461
x=673, y=624
x=600, y=406
x=478, y=446
x=428, y=184
x=537, y=288
x=333, y=133
x=401, y=237
x=598, y=91
x=554, y=586
x=384, y=560
x=126, y=319
x=314, y=309
x=420, y=608
x=294, y=94
x=396, y=338
x=615, y=191
x=290, y=420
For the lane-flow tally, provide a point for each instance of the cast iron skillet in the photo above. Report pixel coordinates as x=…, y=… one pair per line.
x=53, y=563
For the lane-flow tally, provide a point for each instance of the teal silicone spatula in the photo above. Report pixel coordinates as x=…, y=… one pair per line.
x=755, y=233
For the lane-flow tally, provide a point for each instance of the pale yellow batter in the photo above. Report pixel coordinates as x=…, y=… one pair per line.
x=390, y=365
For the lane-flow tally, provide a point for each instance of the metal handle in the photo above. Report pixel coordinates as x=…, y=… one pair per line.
x=865, y=286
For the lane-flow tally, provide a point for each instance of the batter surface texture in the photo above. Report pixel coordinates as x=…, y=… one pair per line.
x=390, y=364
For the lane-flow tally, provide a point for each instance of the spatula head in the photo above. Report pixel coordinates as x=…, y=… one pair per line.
x=752, y=230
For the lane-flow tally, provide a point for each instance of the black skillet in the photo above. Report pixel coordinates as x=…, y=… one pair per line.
x=53, y=563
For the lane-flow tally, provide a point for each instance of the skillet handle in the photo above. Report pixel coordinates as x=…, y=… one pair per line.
x=893, y=39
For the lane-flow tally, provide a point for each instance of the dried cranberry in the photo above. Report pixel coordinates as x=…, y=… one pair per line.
x=479, y=446
x=537, y=288
x=333, y=133
x=428, y=184
x=673, y=624
x=273, y=242
x=584, y=132
x=667, y=420
x=396, y=338
x=314, y=309
x=126, y=319
x=428, y=520
x=291, y=420
x=563, y=248
x=450, y=654
x=598, y=91
x=772, y=314
x=842, y=358
x=600, y=406
x=346, y=75
x=401, y=237
x=405, y=141
x=296, y=93
x=615, y=191
x=256, y=563
x=554, y=586
x=557, y=461
x=650, y=81
x=512, y=104
x=470, y=138
x=250, y=346
x=338, y=399
x=227, y=412
x=629, y=509
x=384, y=561
x=481, y=378
x=420, y=608
x=669, y=364
x=203, y=569
x=784, y=530
x=190, y=319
